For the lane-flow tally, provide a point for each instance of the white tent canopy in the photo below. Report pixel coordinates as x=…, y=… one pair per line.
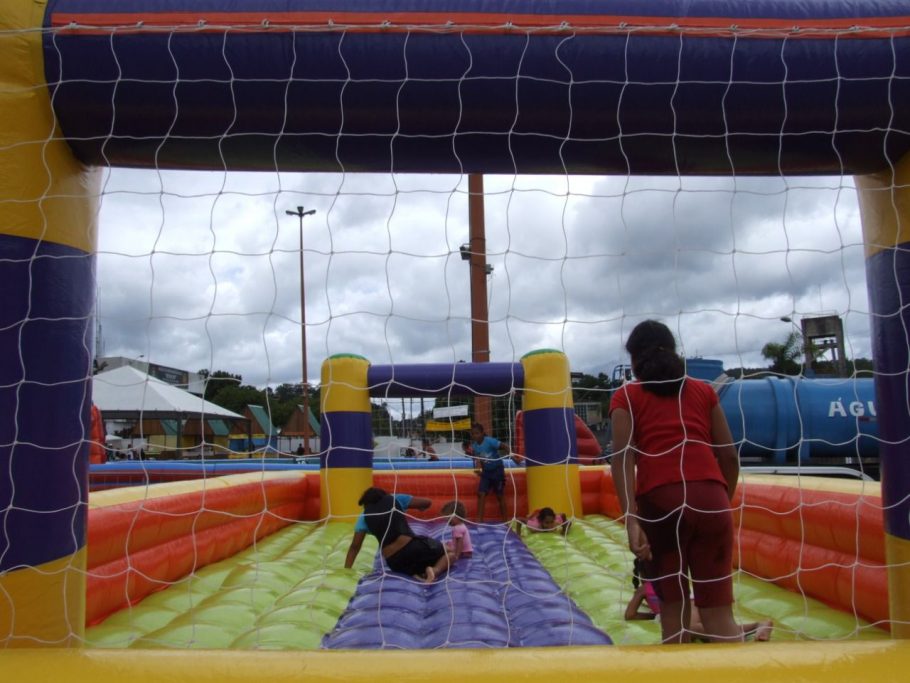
x=128, y=392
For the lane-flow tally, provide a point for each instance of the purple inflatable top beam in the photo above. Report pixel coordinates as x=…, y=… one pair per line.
x=443, y=379
x=483, y=86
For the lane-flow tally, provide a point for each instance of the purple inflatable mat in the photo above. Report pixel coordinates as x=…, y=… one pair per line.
x=501, y=597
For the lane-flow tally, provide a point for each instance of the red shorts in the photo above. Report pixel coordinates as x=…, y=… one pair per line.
x=690, y=529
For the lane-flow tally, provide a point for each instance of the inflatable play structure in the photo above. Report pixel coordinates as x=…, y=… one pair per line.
x=665, y=86
x=587, y=445
x=201, y=565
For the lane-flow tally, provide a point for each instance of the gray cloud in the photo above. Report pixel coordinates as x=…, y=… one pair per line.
x=200, y=270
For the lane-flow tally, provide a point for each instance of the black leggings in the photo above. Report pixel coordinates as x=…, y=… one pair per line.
x=420, y=552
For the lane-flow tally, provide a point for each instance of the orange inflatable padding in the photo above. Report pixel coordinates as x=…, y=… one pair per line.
x=311, y=506
x=609, y=501
x=842, y=522
x=838, y=579
x=128, y=528
x=127, y=580
x=591, y=481
x=832, y=520
x=441, y=487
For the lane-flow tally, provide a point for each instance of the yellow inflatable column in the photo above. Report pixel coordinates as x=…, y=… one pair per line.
x=346, y=461
x=885, y=207
x=48, y=209
x=551, y=449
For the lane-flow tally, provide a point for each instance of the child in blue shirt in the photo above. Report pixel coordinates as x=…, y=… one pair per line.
x=488, y=463
x=404, y=501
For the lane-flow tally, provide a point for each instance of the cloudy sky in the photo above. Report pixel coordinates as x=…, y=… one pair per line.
x=200, y=270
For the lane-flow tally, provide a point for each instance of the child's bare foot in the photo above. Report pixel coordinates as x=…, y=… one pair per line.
x=763, y=632
x=430, y=575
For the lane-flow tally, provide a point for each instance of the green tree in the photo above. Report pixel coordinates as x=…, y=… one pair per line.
x=860, y=366
x=284, y=393
x=218, y=381
x=237, y=397
x=783, y=356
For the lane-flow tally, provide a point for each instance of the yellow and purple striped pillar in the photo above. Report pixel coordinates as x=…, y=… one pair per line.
x=551, y=449
x=346, y=453
x=885, y=207
x=48, y=209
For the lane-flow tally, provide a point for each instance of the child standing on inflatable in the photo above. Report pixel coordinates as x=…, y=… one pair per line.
x=459, y=545
x=675, y=471
x=488, y=460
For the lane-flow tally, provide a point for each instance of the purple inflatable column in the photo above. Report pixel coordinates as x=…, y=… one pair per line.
x=48, y=210
x=885, y=205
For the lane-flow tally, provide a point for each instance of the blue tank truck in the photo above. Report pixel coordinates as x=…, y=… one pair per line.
x=788, y=420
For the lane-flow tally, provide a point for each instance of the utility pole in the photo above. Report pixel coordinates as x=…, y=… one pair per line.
x=480, y=315
x=300, y=213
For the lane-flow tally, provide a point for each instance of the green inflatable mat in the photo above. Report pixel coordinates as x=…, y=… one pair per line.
x=283, y=593
x=594, y=566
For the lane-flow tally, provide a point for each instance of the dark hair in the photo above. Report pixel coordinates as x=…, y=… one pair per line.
x=456, y=507
x=371, y=496
x=546, y=512
x=654, y=359
x=478, y=425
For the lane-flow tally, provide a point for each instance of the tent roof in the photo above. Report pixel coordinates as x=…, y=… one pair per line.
x=126, y=390
x=295, y=426
x=260, y=415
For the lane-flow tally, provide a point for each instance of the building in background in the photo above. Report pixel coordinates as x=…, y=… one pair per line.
x=192, y=382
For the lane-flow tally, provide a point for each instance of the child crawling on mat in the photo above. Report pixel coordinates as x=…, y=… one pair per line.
x=460, y=544
x=545, y=520
x=646, y=593
x=404, y=551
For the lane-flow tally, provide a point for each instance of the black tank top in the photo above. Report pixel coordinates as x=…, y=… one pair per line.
x=386, y=521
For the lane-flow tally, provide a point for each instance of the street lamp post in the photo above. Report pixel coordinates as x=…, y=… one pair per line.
x=300, y=213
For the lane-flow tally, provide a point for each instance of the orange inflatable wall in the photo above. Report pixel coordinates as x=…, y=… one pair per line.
x=827, y=544
x=460, y=485
x=139, y=547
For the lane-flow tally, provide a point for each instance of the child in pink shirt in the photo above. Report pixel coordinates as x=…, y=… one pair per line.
x=645, y=593
x=460, y=544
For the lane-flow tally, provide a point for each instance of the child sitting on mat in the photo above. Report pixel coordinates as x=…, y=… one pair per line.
x=460, y=544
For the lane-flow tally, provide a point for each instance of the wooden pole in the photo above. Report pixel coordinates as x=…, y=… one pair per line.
x=480, y=315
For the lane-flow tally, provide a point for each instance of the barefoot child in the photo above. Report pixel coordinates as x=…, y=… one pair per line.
x=488, y=463
x=403, y=551
x=460, y=544
x=645, y=593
